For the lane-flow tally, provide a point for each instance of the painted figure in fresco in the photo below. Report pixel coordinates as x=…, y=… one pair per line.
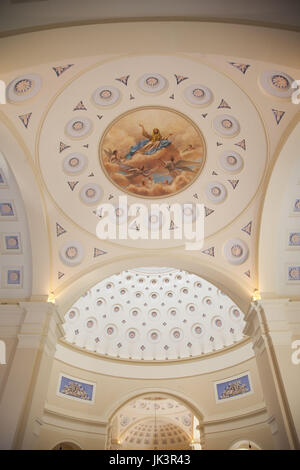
x=151, y=143
x=131, y=171
x=174, y=168
x=114, y=156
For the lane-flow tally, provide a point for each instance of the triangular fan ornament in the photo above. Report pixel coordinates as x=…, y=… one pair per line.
x=247, y=273
x=172, y=96
x=196, y=196
x=80, y=107
x=224, y=104
x=98, y=252
x=123, y=79
x=99, y=116
x=72, y=184
x=60, y=275
x=247, y=229
x=131, y=97
x=241, y=144
x=234, y=183
x=204, y=115
x=218, y=144
x=180, y=78
x=110, y=197
x=209, y=251
x=214, y=173
x=59, y=230
x=278, y=115
x=25, y=118
x=63, y=147
x=208, y=211
x=241, y=67
x=61, y=69
x=91, y=174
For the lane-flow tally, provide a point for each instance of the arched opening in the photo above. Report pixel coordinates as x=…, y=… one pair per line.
x=245, y=445
x=153, y=421
x=67, y=445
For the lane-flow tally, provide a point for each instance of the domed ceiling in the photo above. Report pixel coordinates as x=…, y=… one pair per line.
x=152, y=135
x=184, y=129
x=153, y=420
x=165, y=315
x=156, y=434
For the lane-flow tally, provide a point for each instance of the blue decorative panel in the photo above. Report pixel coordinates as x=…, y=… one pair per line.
x=76, y=389
x=6, y=209
x=13, y=277
x=12, y=242
x=297, y=205
x=233, y=387
x=2, y=178
x=294, y=239
x=294, y=273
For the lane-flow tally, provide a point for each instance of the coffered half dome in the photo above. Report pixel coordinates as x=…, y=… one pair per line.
x=154, y=314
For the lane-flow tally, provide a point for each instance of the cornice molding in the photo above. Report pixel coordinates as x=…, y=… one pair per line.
x=151, y=19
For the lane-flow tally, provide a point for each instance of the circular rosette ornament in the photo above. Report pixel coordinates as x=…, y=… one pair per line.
x=23, y=88
x=236, y=251
x=74, y=163
x=231, y=161
x=91, y=193
x=106, y=96
x=78, y=127
x=198, y=95
x=216, y=192
x=152, y=83
x=278, y=84
x=226, y=125
x=71, y=253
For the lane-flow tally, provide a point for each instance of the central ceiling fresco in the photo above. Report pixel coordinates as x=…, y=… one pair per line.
x=155, y=163
x=152, y=127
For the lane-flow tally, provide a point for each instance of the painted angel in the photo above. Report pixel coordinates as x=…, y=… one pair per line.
x=151, y=144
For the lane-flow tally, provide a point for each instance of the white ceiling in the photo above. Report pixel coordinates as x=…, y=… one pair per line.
x=18, y=14
x=154, y=316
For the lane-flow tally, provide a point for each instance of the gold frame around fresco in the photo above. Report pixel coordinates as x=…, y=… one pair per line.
x=162, y=108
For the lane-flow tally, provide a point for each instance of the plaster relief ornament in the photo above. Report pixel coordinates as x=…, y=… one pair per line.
x=23, y=88
x=91, y=193
x=215, y=192
x=152, y=83
x=198, y=95
x=231, y=161
x=152, y=152
x=91, y=323
x=226, y=125
x=176, y=334
x=73, y=314
x=74, y=163
x=197, y=329
x=236, y=251
x=277, y=83
x=71, y=253
x=235, y=313
x=78, y=127
x=106, y=96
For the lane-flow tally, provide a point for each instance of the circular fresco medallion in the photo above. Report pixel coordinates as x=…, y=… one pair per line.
x=152, y=152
